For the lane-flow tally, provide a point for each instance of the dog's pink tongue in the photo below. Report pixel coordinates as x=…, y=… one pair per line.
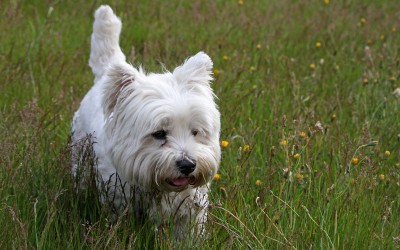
x=180, y=181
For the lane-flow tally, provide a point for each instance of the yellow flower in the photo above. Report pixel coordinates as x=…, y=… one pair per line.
x=216, y=72
x=333, y=116
x=225, y=57
x=217, y=177
x=252, y=68
x=224, y=144
x=283, y=142
x=365, y=80
x=393, y=78
x=387, y=153
x=363, y=20
x=296, y=156
x=299, y=176
x=246, y=148
x=240, y=2
x=303, y=134
x=326, y=1
x=382, y=37
x=312, y=66
x=381, y=177
x=258, y=46
x=258, y=183
x=317, y=44
x=354, y=161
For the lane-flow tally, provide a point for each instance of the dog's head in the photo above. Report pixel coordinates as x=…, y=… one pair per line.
x=163, y=129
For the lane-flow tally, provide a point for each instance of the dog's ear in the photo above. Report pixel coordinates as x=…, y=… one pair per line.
x=119, y=81
x=196, y=69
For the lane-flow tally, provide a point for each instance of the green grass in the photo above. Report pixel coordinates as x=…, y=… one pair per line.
x=269, y=98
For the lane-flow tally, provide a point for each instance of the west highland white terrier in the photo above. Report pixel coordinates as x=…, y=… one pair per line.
x=155, y=136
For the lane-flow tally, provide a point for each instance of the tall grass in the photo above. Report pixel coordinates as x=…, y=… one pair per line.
x=305, y=90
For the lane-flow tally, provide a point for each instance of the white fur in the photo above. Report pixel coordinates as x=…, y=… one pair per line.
x=122, y=111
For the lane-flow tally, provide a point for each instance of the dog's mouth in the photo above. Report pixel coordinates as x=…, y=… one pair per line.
x=182, y=181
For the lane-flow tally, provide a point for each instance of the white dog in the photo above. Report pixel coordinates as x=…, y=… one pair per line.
x=155, y=136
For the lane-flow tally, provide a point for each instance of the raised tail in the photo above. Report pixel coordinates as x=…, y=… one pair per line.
x=105, y=41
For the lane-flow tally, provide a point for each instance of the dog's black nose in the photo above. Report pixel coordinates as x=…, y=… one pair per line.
x=186, y=166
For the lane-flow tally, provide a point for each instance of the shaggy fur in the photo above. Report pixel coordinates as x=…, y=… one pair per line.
x=155, y=136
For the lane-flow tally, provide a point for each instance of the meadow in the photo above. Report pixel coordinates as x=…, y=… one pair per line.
x=309, y=96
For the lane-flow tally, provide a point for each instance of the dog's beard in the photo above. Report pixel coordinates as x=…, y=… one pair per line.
x=152, y=166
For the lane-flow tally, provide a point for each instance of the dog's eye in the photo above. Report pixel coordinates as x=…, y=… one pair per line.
x=160, y=135
x=195, y=132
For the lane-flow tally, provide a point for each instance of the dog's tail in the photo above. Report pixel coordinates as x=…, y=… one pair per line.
x=105, y=41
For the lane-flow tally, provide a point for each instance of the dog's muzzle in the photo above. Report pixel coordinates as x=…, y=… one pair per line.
x=186, y=165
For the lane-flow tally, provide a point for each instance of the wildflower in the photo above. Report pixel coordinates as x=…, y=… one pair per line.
x=321, y=61
x=283, y=142
x=240, y=2
x=296, y=156
x=225, y=57
x=299, y=176
x=333, y=117
x=303, y=134
x=363, y=20
x=319, y=126
x=381, y=177
x=312, y=66
x=246, y=148
x=216, y=72
x=252, y=68
x=365, y=80
x=318, y=44
x=387, y=153
x=326, y=1
x=258, y=46
x=394, y=29
x=354, y=161
x=398, y=183
x=217, y=177
x=224, y=144
x=258, y=183
x=382, y=37
x=392, y=78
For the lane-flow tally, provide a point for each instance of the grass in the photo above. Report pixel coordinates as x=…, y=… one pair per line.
x=280, y=94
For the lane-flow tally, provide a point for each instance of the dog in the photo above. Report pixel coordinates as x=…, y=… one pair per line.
x=155, y=135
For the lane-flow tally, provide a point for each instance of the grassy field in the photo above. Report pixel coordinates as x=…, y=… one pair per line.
x=310, y=121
